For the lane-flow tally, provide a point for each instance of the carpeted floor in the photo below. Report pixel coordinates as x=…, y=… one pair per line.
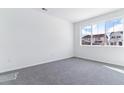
x=72, y=71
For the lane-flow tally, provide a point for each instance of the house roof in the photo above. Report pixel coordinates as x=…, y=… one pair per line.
x=101, y=35
x=87, y=36
x=116, y=32
x=97, y=35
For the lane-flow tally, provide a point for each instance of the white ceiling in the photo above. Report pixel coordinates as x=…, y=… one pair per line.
x=78, y=14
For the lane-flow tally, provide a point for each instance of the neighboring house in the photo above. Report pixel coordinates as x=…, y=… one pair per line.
x=86, y=40
x=98, y=39
x=116, y=38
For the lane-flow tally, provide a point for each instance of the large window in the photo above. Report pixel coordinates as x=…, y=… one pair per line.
x=105, y=33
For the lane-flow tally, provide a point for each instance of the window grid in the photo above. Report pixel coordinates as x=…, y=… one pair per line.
x=105, y=34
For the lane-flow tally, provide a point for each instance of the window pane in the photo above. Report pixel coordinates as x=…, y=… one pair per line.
x=109, y=30
x=98, y=34
x=114, y=31
x=86, y=35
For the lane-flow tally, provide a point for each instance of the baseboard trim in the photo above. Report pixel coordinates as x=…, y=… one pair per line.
x=100, y=62
x=17, y=70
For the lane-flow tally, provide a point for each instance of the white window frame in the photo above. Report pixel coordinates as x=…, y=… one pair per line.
x=82, y=26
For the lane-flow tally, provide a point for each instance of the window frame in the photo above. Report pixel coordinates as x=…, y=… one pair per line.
x=92, y=23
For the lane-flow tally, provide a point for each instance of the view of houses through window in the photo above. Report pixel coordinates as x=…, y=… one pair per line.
x=105, y=33
x=86, y=35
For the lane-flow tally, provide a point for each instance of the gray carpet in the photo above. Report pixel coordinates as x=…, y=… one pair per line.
x=72, y=71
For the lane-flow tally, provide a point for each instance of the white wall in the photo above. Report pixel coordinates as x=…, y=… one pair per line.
x=29, y=37
x=113, y=55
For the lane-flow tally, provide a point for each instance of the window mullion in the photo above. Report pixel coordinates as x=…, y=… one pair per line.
x=91, y=34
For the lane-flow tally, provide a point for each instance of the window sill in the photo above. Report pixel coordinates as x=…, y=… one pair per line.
x=102, y=46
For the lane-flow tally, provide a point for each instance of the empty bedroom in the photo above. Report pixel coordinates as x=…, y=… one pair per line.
x=61, y=46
